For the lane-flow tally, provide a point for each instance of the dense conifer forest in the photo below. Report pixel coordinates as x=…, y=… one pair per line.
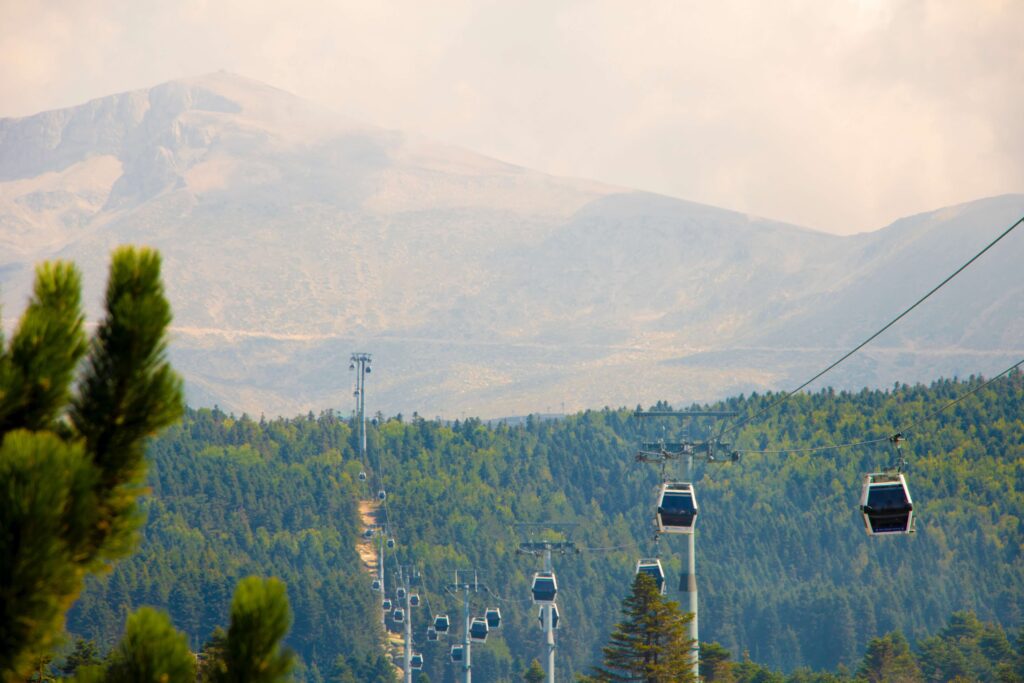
x=788, y=578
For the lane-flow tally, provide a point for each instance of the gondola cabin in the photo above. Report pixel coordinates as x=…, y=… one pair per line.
x=652, y=567
x=375, y=585
x=416, y=662
x=398, y=616
x=493, y=617
x=886, y=505
x=386, y=605
x=545, y=588
x=414, y=600
x=431, y=633
x=677, y=508
x=391, y=544
x=478, y=630
x=382, y=494
x=554, y=617
x=441, y=623
x=362, y=476
x=368, y=533
x=456, y=653
x=400, y=593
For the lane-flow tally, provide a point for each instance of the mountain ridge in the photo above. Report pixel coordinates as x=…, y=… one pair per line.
x=292, y=235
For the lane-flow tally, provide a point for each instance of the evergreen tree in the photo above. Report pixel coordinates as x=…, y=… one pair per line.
x=535, y=674
x=71, y=467
x=83, y=653
x=650, y=644
x=715, y=666
x=152, y=651
x=889, y=660
x=259, y=621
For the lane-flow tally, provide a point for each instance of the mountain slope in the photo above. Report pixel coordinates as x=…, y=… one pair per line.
x=292, y=236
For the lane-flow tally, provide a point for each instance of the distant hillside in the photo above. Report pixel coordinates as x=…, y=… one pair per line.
x=785, y=569
x=293, y=236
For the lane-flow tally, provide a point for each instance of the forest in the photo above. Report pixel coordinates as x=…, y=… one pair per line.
x=789, y=582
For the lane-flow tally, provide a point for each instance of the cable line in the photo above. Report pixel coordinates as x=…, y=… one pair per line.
x=864, y=343
x=909, y=427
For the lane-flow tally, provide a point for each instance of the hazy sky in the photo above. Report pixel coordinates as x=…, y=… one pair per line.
x=836, y=114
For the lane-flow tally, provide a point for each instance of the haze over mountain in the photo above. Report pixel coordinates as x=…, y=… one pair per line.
x=292, y=236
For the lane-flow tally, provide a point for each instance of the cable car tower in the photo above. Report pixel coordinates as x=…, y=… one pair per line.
x=406, y=578
x=360, y=362
x=545, y=588
x=475, y=629
x=677, y=502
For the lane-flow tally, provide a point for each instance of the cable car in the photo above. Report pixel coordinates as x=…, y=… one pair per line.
x=382, y=494
x=414, y=600
x=441, y=623
x=493, y=617
x=886, y=505
x=478, y=630
x=652, y=567
x=375, y=586
x=401, y=593
x=456, y=653
x=391, y=544
x=398, y=616
x=554, y=617
x=362, y=476
x=545, y=588
x=386, y=605
x=368, y=533
x=416, y=662
x=677, y=508
x=431, y=633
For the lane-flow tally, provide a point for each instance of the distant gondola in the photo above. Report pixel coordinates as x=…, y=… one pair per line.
x=441, y=623
x=431, y=633
x=386, y=605
x=493, y=617
x=478, y=630
x=554, y=617
x=886, y=505
x=652, y=567
x=545, y=588
x=368, y=533
x=416, y=662
x=400, y=593
x=391, y=543
x=677, y=508
x=414, y=600
x=362, y=476
x=382, y=494
x=398, y=616
x=456, y=653
x=375, y=585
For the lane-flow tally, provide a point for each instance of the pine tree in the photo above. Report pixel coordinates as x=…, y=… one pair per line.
x=71, y=466
x=151, y=651
x=535, y=674
x=889, y=660
x=260, y=619
x=650, y=644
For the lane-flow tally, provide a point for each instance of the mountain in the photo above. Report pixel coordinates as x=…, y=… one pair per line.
x=293, y=236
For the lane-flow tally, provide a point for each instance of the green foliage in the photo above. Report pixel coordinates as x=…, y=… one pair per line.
x=650, y=643
x=152, y=651
x=786, y=571
x=888, y=660
x=83, y=653
x=252, y=652
x=715, y=666
x=68, y=488
x=535, y=674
